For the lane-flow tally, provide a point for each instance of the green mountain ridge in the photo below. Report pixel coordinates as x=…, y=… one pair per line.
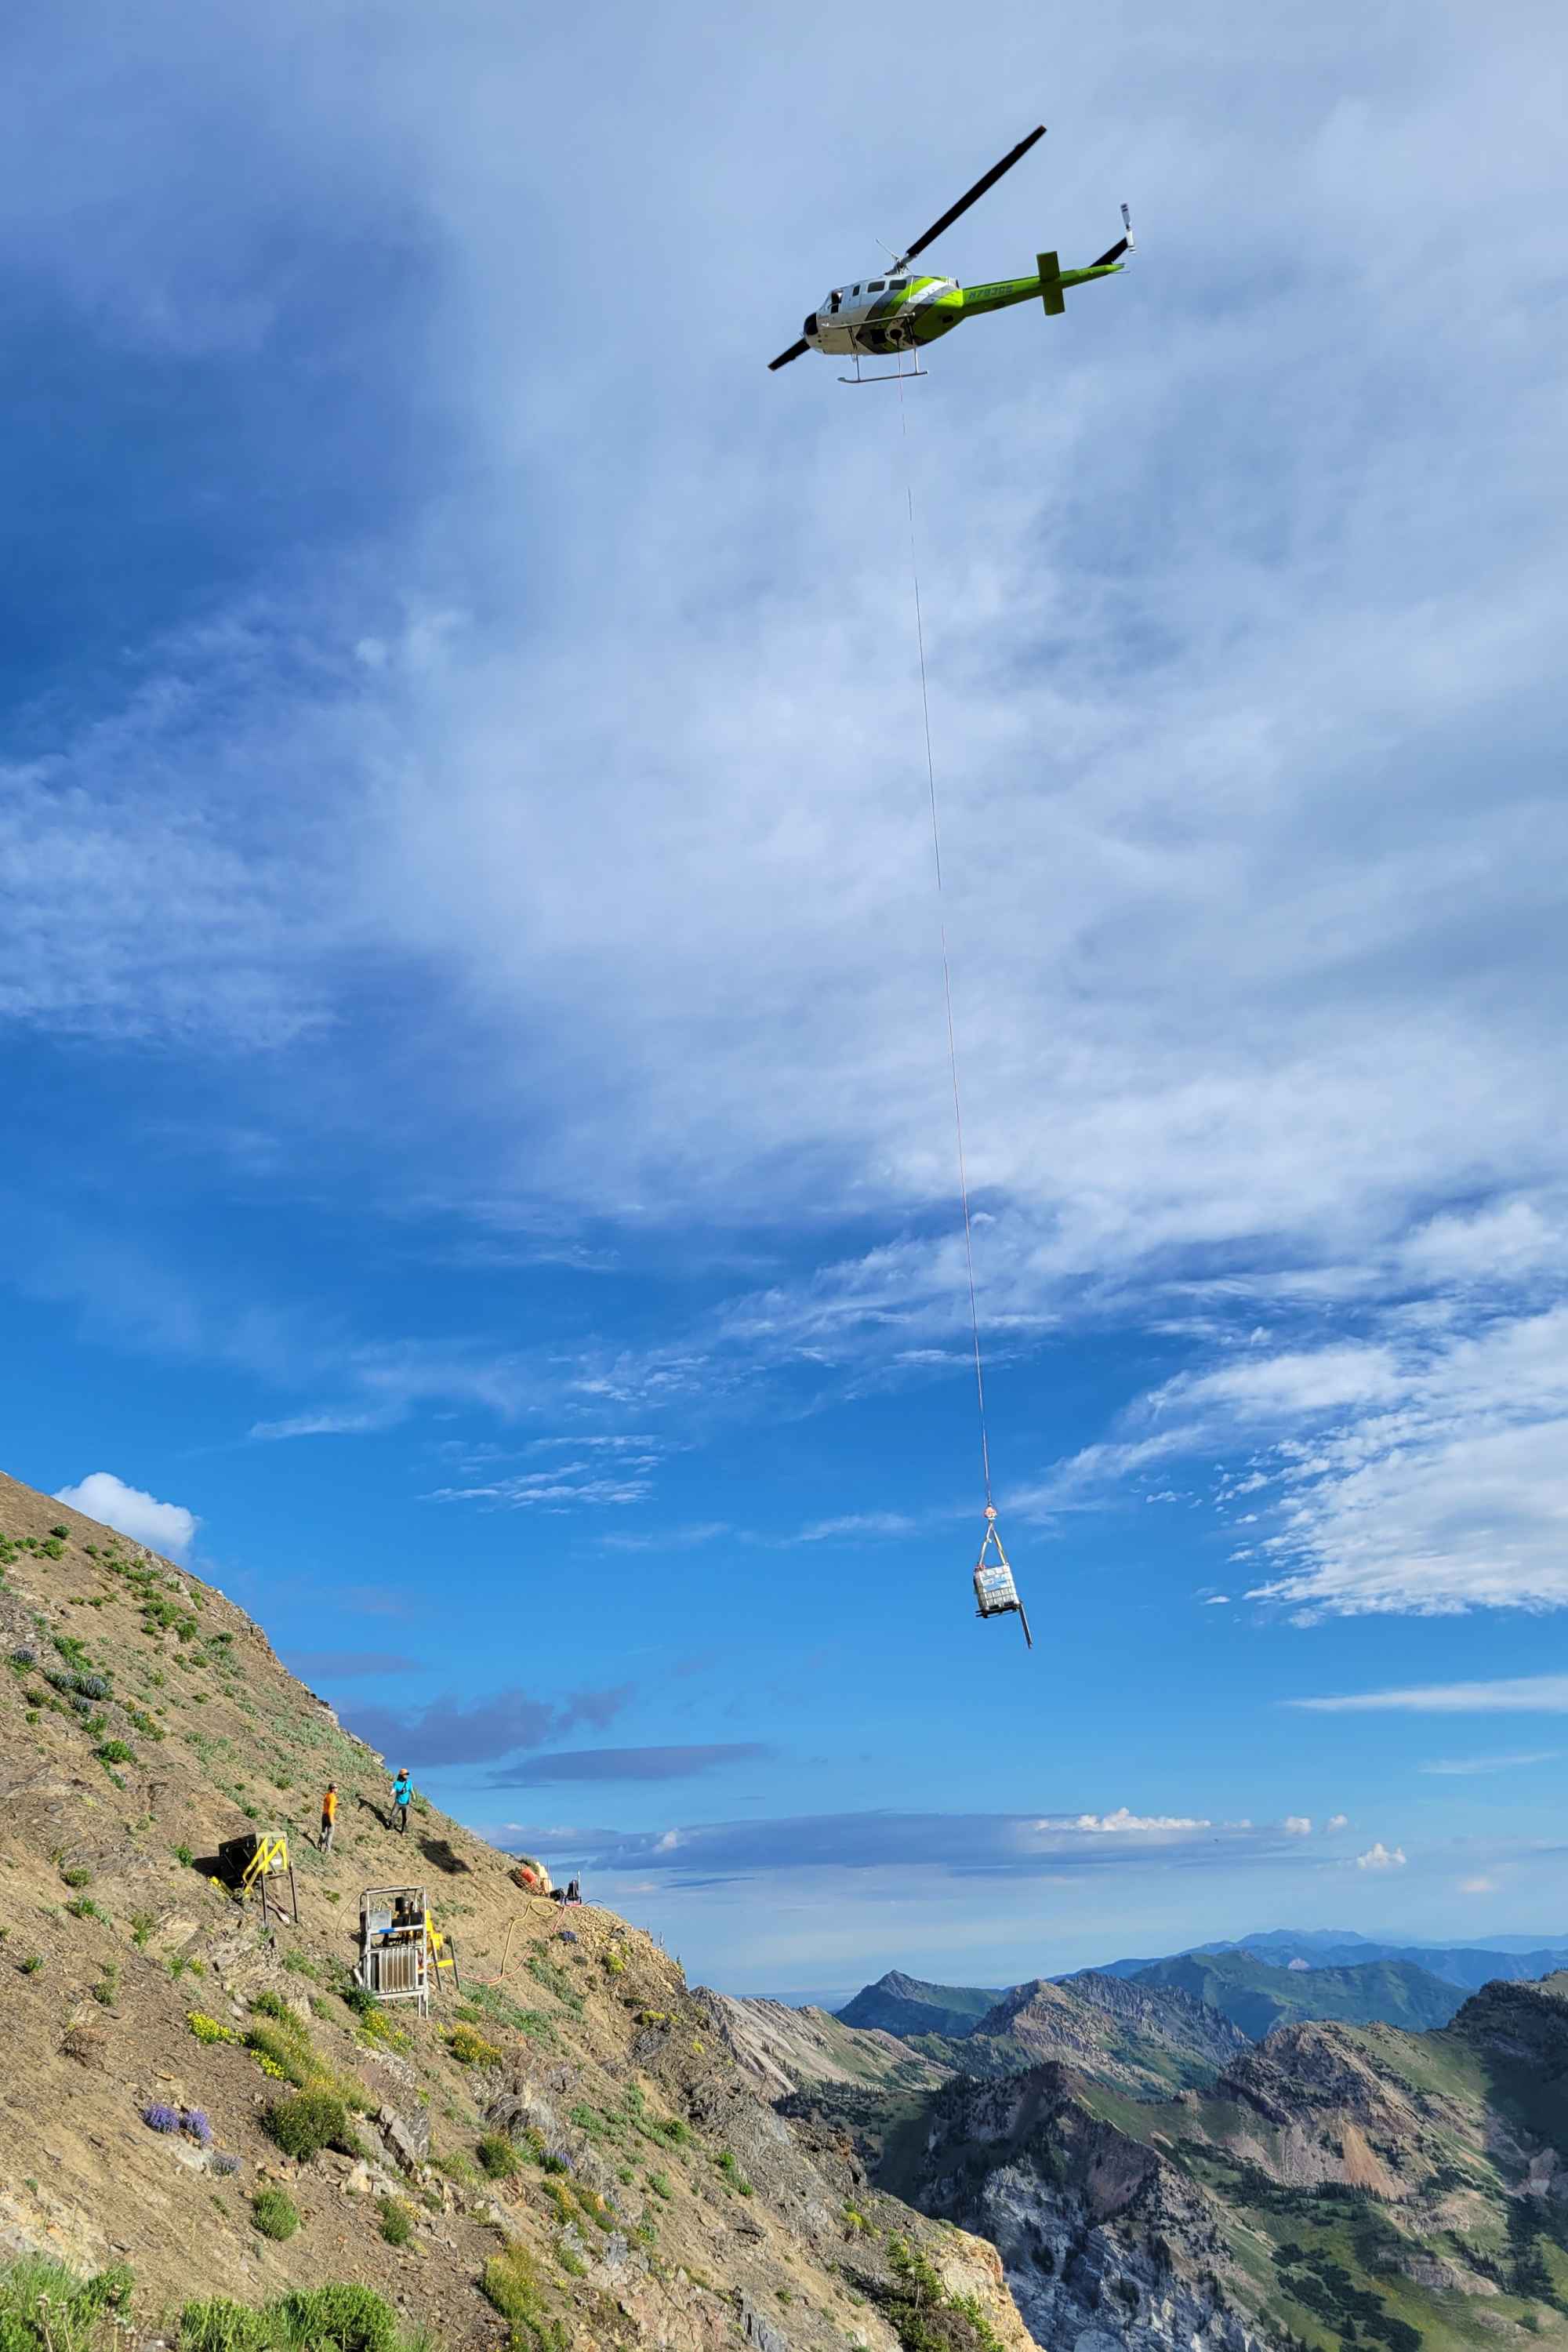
x=1258, y=1996
x=905, y=2006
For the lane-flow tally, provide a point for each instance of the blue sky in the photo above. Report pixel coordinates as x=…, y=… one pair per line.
x=479, y=1160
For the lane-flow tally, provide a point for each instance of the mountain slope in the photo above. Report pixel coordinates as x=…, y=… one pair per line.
x=1339, y=2185
x=1149, y=2039
x=1257, y=1996
x=643, y=2192
x=784, y=2049
x=904, y=2005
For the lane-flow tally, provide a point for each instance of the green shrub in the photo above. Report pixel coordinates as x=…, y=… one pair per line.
x=294, y=2060
x=496, y=2156
x=272, y=2004
x=511, y=2283
x=142, y=1926
x=397, y=2221
x=77, y=1877
x=61, y=1535
x=185, y=1857
x=469, y=2048
x=32, y=1964
x=346, y=2318
x=274, y=2213
x=309, y=2122
x=47, y=2307
x=114, y=1751
x=224, y=2326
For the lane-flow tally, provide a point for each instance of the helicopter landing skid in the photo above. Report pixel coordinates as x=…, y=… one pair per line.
x=900, y=376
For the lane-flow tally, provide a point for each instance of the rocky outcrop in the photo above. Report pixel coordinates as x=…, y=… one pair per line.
x=1103, y=2242
x=1147, y=2040
x=783, y=2050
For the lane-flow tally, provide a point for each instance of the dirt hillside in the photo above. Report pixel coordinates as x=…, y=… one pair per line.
x=567, y=2149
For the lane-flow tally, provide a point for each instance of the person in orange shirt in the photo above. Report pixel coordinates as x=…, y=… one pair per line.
x=329, y=1816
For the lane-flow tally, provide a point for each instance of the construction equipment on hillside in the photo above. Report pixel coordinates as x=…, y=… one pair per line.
x=254, y=1865
x=401, y=1952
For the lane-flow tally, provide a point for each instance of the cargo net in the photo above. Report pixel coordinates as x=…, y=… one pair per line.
x=995, y=1594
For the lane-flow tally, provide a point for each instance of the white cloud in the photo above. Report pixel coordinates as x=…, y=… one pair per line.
x=1467, y=1767
x=1297, y=1825
x=858, y=1523
x=1335, y=1823
x=1381, y=1857
x=1124, y=1824
x=1521, y=1694
x=1478, y=1885
x=1291, y=1387
x=163, y=1527
x=1217, y=1601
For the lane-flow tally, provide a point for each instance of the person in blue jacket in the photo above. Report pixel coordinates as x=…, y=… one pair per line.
x=402, y=1795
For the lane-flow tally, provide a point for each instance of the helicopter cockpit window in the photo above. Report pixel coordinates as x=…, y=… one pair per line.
x=878, y=286
x=833, y=300
x=896, y=283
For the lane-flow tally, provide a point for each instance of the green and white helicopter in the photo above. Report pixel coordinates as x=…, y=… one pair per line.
x=895, y=314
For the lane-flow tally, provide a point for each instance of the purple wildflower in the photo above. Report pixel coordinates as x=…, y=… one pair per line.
x=200, y=2130
x=158, y=2118
x=224, y=2164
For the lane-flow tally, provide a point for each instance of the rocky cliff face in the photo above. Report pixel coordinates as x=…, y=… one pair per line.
x=1336, y=2186
x=784, y=2049
x=1103, y=2241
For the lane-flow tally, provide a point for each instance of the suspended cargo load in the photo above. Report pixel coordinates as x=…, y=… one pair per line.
x=995, y=1593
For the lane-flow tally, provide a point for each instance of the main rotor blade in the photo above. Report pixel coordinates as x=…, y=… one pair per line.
x=1115, y=254
x=794, y=352
x=975, y=192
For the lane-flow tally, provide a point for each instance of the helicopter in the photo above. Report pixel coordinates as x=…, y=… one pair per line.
x=894, y=313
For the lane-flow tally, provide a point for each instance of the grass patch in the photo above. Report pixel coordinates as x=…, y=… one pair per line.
x=274, y=2212
x=510, y=2284
x=309, y=2122
x=47, y=2307
x=556, y=1980
x=397, y=2221
x=499, y=2160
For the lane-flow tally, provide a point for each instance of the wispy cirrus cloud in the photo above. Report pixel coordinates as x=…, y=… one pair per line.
x=1514, y=1695
x=1467, y=1766
x=1001, y=1845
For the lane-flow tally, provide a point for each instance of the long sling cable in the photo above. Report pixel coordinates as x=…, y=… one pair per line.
x=993, y=1588
x=946, y=967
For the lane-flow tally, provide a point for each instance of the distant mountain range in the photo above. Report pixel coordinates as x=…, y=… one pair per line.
x=1512, y=1960
x=1258, y=1995
x=908, y=2006
x=1279, y=1975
